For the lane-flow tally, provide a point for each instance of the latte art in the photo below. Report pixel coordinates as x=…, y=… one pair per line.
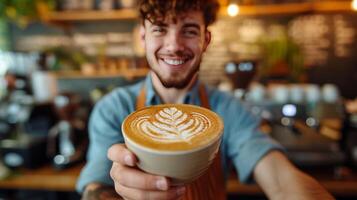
x=172, y=125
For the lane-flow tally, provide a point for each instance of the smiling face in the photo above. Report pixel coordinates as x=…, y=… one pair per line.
x=174, y=47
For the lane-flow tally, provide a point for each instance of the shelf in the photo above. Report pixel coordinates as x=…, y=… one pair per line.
x=333, y=6
x=128, y=74
x=47, y=178
x=132, y=14
x=292, y=8
x=344, y=186
x=44, y=178
x=72, y=16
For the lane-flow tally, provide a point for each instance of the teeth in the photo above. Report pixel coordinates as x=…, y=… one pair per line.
x=174, y=62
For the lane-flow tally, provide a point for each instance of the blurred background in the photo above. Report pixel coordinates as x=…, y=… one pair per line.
x=293, y=63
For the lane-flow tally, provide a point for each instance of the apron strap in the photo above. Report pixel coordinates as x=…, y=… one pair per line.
x=204, y=97
x=140, y=100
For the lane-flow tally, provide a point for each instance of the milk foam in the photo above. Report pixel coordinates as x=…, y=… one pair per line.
x=172, y=125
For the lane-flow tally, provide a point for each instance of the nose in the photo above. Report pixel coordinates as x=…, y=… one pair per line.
x=173, y=42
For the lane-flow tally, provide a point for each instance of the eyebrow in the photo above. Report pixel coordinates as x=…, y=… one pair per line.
x=159, y=23
x=187, y=25
x=192, y=25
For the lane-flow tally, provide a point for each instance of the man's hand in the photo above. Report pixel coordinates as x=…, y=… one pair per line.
x=132, y=183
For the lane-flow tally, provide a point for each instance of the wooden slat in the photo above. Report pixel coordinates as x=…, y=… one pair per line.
x=44, y=178
x=274, y=9
x=47, y=178
x=128, y=74
x=335, y=187
x=332, y=6
x=292, y=8
x=122, y=14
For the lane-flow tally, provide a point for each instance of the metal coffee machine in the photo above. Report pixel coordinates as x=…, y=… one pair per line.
x=241, y=73
x=23, y=129
x=67, y=139
x=310, y=131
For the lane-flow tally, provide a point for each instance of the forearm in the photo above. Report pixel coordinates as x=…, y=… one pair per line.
x=298, y=185
x=95, y=191
x=281, y=180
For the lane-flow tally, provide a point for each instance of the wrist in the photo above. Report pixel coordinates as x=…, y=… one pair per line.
x=96, y=191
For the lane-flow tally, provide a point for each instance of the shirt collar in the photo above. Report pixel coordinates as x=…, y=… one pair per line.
x=150, y=92
x=192, y=97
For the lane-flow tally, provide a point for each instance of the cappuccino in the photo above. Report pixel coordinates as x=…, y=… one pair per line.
x=173, y=127
x=174, y=140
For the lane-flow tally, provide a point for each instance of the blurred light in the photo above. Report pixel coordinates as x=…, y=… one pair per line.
x=289, y=110
x=311, y=122
x=3, y=67
x=286, y=121
x=233, y=10
x=59, y=159
x=231, y=68
x=61, y=101
x=354, y=5
x=13, y=159
x=245, y=66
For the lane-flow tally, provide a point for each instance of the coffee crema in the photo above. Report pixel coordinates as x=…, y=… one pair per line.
x=173, y=127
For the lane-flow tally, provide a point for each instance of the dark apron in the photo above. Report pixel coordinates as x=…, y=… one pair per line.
x=211, y=185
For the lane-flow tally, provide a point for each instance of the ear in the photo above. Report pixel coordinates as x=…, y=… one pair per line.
x=142, y=35
x=207, y=39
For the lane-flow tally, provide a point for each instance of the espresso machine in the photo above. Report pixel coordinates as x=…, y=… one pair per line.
x=310, y=129
x=68, y=139
x=23, y=133
x=23, y=124
x=241, y=73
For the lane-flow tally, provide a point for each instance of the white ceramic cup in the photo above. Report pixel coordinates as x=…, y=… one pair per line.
x=330, y=93
x=256, y=93
x=44, y=86
x=312, y=93
x=279, y=93
x=127, y=3
x=297, y=93
x=182, y=166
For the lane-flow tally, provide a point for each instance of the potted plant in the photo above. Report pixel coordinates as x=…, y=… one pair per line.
x=22, y=12
x=282, y=58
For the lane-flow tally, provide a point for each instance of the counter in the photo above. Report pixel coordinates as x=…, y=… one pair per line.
x=341, y=183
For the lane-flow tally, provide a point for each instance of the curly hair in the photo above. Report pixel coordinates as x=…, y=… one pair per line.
x=155, y=9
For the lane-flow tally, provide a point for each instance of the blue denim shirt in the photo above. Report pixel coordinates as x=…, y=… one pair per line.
x=242, y=143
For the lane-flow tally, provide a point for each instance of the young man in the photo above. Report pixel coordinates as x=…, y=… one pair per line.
x=175, y=35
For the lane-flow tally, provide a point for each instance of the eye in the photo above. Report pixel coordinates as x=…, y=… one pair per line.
x=191, y=32
x=158, y=30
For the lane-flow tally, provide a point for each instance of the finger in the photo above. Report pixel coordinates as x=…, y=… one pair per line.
x=119, y=153
x=135, y=178
x=132, y=193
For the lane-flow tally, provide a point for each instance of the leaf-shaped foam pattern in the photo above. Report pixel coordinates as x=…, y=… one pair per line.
x=171, y=125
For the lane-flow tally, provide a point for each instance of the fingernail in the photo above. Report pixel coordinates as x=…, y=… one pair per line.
x=161, y=184
x=181, y=191
x=128, y=160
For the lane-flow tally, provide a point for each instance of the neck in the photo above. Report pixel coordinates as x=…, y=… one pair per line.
x=171, y=95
